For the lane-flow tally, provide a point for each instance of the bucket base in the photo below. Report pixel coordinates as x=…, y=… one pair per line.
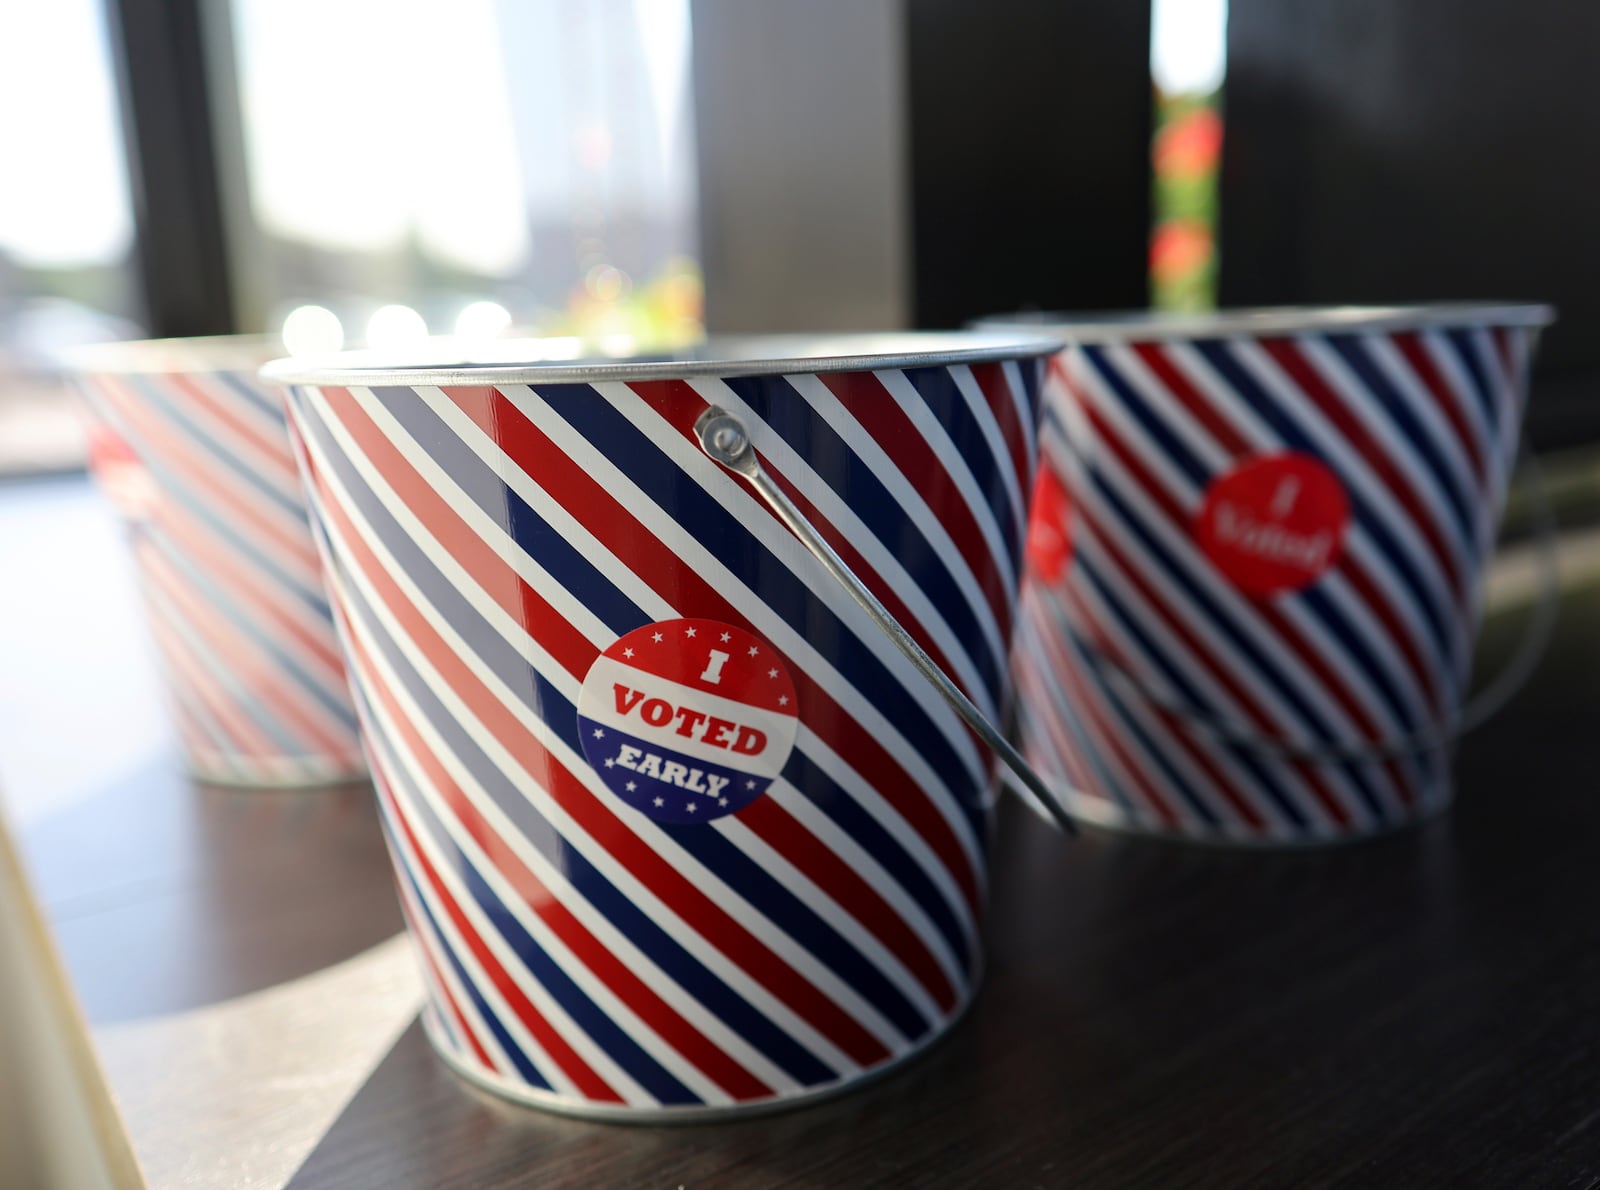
x=1098, y=814
x=561, y=1106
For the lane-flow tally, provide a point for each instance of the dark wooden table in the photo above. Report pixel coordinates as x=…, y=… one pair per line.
x=1419, y=1010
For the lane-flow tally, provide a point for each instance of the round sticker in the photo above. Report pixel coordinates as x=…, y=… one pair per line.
x=1049, y=526
x=120, y=474
x=1275, y=523
x=688, y=720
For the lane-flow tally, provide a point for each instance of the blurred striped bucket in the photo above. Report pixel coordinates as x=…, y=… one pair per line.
x=193, y=450
x=1256, y=552
x=677, y=831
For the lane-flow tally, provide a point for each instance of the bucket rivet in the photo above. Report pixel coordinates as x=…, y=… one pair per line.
x=728, y=439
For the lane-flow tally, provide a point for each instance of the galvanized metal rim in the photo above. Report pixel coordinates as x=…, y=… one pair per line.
x=517, y=361
x=1123, y=326
x=202, y=353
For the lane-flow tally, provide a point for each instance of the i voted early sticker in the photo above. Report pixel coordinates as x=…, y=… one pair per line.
x=688, y=720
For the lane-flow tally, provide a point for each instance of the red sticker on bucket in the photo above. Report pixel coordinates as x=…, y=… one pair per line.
x=120, y=474
x=1274, y=523
x=1049, y=527
x=688, y=720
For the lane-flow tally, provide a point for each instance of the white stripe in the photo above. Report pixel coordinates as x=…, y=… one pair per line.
x=450, y=937
x=550, y=875
x=221, y=676
x=1425, y=408
x=832, y=911
x=195, y=461
x=1216, y=459
x=485, y=527
x=757, y=520
x=1353, y=468
x=1285, y=720
x=559, y=678
x=1359, y=544
x=210, y=556
x=264, y=636
x=513, y=474
x=1027, y=417
x=1150, y=676
x=1118, y=777
x=872, y=871
x=730, y=972
x=934, y=432
x=843, y=518
x=546, y=938
x=1369, y=410
x=843, y=774
x=639, y=593
x=1360, y=553
x=978, y=404
x=927, y=782
x=428, y=943
x=275, y=467
x=1458, y=382
x=905, y=494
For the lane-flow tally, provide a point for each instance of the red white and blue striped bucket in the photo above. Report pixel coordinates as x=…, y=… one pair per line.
x=193, y=450
x=677, y=830
x=1255, y=563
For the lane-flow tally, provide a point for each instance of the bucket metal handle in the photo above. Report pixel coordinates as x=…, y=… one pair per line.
x=724, y=438
x=1491, y=698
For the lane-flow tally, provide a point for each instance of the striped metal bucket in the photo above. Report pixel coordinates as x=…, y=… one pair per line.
x=1256, y=552
x=193, y=450
x=677, y=829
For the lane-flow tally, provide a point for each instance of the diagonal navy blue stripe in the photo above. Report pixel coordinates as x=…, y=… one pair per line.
x=617, y=1044
x=1257, y=658
x=525, y=1067
x=652, y=939
x=1316, y=602
x=251, y=392
x=548, y=546
x=227, y=607
x=1190, y=693
x=799, y=424
x=184, y=423
x=174, y=487
x=752, y=562
x=1292, y=431
x=539, y=696
x=1355, y=351
x=938, y=390
x=1461, y=345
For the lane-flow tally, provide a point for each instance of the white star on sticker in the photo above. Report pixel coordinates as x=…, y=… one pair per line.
x=749, y=784
x=772, y=673
x=656, y=636
x=631, y=786
x=783, y=700
x=722, y=802
x=688, y=631
x=726, y=637
x=627, y=652
x=690, y=807
x=598, y=732
x=753, y=650
x=611, y=762
x=661, y=801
